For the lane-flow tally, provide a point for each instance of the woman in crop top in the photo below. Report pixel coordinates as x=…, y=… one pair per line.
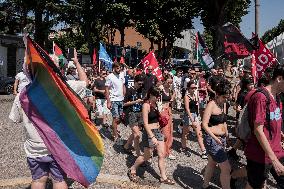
x=166, y=100
x=216, y=132
x=190, y=118
x=152, y=138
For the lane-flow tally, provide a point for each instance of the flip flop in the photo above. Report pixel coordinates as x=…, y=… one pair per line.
x=132, y=176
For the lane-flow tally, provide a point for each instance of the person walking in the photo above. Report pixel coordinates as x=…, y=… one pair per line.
x=167, y=97
x=115, y=91
x=152, y=138
x=216, y=133
x=191, y=119
x=263, y=149
x=133, y=113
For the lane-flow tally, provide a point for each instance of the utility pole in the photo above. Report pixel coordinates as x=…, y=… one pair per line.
x=257, y=5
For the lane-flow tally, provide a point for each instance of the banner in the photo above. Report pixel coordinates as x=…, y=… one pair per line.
x=105, y=59
x=203, y=55
x=235, y=45
x=264, y=59
x=58, y=52
x=150, y=60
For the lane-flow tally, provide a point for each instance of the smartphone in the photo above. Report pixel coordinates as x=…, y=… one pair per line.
x=70, y=53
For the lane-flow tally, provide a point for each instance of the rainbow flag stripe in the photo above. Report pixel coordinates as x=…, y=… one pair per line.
x=61, y=118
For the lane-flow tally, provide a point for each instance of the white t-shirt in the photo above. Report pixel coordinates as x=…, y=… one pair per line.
x=177, y=83
x=115, y=84
x=23, y=81
x=34, y=145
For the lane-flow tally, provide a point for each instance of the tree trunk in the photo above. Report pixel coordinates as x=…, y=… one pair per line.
x=122, y=37
x=152, y=44
x=39, y=33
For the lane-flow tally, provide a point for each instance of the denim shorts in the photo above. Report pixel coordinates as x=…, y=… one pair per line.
x=186, y=120
x=215, y=150
x=43, y=166
x=116, y=109
x=147, y=142
x=134, y=119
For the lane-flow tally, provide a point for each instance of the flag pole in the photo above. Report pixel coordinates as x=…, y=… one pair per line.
x=99, y=66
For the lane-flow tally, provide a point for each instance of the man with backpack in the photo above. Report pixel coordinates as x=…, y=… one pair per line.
x=263, y=147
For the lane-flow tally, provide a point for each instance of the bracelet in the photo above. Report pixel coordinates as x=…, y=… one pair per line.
x=152, y=137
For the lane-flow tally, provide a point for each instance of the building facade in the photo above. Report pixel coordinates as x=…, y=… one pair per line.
x=12, y=52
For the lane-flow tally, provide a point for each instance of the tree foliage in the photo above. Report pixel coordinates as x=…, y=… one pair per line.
x=274, y=32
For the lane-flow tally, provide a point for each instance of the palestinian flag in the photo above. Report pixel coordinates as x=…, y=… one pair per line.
x=203, y=55
x=58, y=52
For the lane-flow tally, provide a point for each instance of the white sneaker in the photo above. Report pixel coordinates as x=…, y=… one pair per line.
x=172, y=157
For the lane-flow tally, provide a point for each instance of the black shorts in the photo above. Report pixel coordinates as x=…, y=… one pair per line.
x=258, y=173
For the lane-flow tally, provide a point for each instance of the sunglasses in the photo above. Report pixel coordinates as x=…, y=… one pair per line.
x=193, y=87
x=140, y=84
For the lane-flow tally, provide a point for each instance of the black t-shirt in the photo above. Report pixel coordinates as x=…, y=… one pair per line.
x=131, y=95
x=100, y=85
x=149, y=81
x=241, y=98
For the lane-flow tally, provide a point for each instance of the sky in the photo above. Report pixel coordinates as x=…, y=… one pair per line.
x=270, y=14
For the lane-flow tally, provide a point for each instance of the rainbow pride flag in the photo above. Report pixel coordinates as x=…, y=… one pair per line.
x=61, y=118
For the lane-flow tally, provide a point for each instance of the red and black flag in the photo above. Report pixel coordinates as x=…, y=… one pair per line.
x=235, y=45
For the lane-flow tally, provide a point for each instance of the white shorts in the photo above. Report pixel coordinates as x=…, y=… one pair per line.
x=101, y=107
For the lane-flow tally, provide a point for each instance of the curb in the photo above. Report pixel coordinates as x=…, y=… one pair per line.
x=122, y=181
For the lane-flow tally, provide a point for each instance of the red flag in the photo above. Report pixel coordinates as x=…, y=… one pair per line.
x=264, y=59
x=122, y=60
x=94, y=57
x=253, y=68
x=150, y=60
x=196, y=45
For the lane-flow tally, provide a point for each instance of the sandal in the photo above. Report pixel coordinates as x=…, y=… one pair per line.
x=167, y=181
x=132, y=176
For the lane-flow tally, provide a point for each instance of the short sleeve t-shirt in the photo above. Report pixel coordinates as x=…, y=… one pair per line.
x=202, y=84
x=132, y=95
x=23, y=81
x=100, y=85
x=257, y=114
x=115, y=84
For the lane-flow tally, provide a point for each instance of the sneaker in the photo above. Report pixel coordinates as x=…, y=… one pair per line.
x=172, y=157
x=204, y=155
x=118, y=141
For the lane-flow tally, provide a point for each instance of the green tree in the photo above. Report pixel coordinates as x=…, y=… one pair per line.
x=118, y=17
x=274, y=32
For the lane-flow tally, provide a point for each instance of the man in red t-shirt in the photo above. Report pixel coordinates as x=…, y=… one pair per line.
x=264, y=153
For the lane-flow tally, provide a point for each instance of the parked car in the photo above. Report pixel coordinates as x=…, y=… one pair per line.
x=6, y=85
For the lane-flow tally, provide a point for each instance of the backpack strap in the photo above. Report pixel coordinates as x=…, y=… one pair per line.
x=268, y=100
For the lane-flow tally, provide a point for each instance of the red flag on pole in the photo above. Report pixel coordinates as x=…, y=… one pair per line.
x=94, y=57
x=150, y=60
x=253, y=68
x=264, y=59
x=122, y=60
